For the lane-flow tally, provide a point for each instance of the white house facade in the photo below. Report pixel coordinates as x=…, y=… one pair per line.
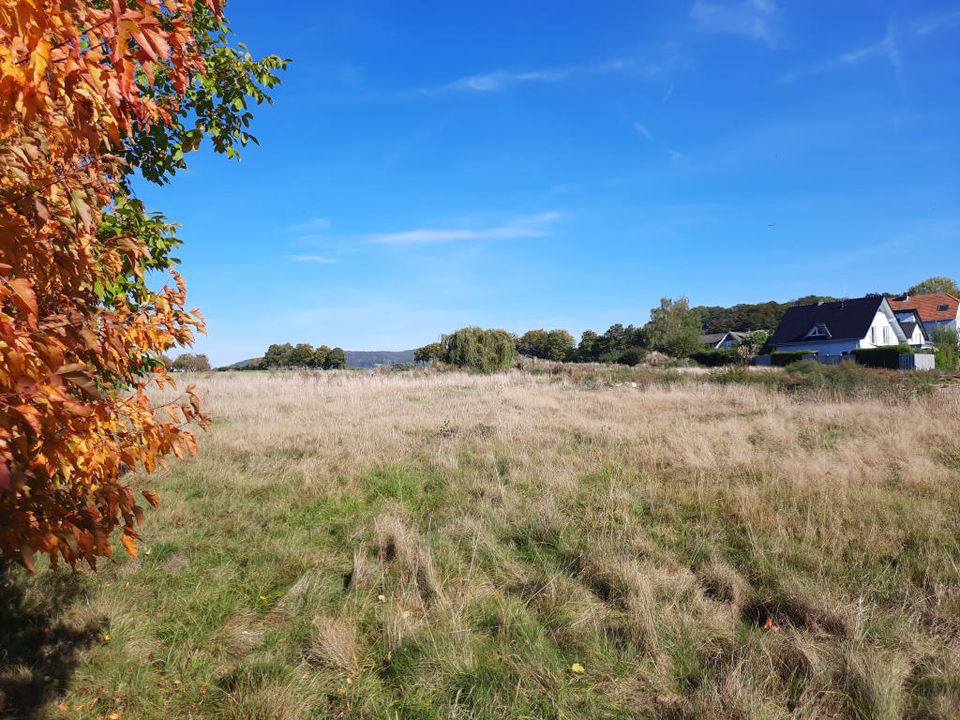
x=839, y=328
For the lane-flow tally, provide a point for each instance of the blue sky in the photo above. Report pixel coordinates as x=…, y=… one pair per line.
x=524, y=164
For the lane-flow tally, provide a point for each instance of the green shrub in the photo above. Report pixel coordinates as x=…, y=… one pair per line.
x=782, y=359
x=945, y=342
x=716, y=358
x=480, y=349
x=632, y=356
x=882, y=357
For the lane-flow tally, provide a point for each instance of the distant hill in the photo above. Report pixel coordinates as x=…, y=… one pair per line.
x=355, y=359
x=372, y=358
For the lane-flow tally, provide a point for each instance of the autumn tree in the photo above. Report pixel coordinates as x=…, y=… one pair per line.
x=90, y=94
x=319, y=359
x=301, y=355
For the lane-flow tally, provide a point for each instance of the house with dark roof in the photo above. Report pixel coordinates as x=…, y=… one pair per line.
x=838, y=328
x=721, y=340
x=936, y=310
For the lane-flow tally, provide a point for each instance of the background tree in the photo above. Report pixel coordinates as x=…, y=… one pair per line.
x=428, y=353
x=81, y=328
x=277, y=355
x=336, y=360
x=588, y=349
x=480, y=349
x=191, y=363
x=753, y=342
x=935, y=285
x=301, y=355
x=556, y=345
x=674, y=328
x=945, y=343
x=320, y=355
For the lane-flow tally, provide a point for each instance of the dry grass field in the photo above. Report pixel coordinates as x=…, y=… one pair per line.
x=441, y=545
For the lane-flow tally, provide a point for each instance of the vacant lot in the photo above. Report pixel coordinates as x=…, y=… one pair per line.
x=453, y=546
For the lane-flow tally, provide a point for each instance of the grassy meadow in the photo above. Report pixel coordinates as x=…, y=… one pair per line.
x=578, y=544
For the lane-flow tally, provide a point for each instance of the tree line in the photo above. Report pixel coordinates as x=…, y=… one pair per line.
x=286, y=355
x=674, y=329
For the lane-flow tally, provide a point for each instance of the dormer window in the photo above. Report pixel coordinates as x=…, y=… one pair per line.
x=818, y=330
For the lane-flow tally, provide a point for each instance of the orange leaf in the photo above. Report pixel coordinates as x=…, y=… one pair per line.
x=25, y=298
x=129, y=545
x=151, y=497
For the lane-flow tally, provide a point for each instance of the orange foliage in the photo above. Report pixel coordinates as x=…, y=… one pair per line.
x=74, y=413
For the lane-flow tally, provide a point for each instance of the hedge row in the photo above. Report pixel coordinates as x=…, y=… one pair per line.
x=716, y=358
x=882, y=357
x=782, y=359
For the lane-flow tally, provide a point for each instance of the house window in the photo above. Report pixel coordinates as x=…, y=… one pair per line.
x=943, y=308
x=873, y=335
x=886, y=335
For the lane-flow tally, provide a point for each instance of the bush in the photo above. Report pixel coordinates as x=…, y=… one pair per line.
x=632, y=356
x=716, y=358
x=947, y=356
x=883, y=357
x=782, y=359
x=480, y=349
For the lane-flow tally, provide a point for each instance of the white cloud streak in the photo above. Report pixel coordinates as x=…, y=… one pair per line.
x=503, y=79
x=754, y=19
x=888, y=48
x=317, y=259
x=532, y=226
x=643, y=131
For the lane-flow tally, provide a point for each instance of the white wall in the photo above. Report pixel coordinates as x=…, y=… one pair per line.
x=880, y=322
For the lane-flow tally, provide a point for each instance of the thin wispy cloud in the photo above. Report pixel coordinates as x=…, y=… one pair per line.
x=643, y=131
x=754, y=19
x=887, y=49
x=317, y=259
x=532, y=226
x=503, y=79
x=935, y=23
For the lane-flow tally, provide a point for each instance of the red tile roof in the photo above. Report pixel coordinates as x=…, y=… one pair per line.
x=929, y=306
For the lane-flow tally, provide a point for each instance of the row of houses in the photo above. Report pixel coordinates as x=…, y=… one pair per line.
x=839, y=328
x=836, y=329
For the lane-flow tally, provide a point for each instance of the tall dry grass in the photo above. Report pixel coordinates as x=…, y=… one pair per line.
x=448, y=545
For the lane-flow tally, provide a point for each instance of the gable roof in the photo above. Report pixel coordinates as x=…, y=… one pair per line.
x=910, y=320
x=843, y=320
x=716, y=338
x=928, y=306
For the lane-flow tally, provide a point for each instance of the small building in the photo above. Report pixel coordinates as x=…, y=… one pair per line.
x=836, y=329
x=722, y=340
x=936, y=310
